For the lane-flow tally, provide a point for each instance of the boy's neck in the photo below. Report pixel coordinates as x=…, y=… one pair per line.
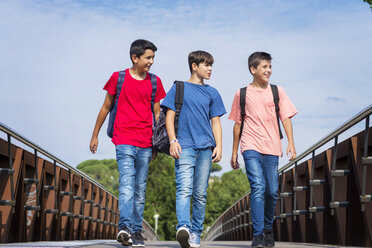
x=137, y=73
x=259, y=84
x=196, y=79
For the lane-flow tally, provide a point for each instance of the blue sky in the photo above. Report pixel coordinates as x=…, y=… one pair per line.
x=57, y=55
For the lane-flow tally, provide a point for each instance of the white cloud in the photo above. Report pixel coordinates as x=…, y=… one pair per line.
x=57, y=55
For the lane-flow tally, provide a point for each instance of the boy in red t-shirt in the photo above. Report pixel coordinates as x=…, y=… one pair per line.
x=132, y=136
x=261, y=145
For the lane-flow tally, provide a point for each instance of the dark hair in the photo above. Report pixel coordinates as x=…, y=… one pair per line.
x=255, y=59
x=198, y=57
x=139, y=47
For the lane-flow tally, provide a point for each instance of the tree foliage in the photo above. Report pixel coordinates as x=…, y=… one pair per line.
x=161, y=191
x=369, y=2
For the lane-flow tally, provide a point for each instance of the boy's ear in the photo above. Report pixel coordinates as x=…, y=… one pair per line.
x=252, y=69
x=194, y=66
x=134, y=58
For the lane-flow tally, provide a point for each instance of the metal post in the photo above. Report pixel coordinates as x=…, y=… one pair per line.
x=334, y=157
x=37, y=184
x=11, y=175
x=294, y=192
x=365, y=155
x=311, y=178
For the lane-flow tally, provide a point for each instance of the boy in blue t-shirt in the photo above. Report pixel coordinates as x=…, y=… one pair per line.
x=197, y=145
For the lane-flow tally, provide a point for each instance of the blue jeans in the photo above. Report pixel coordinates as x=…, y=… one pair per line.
x=262, y=172
x=133, y=165
x=192, y=175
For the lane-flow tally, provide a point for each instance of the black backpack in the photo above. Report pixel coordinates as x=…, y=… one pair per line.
x=110, y=127
x=243, y=92
x=160, y=139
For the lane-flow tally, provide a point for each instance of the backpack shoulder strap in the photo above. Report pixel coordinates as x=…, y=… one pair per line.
x=154, y=85
x=274, y=89
x=119, y=84
x=243, y=93
x=178, y=101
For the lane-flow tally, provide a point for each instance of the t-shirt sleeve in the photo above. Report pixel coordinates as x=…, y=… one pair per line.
x=217, y=106
x=160, y=92
x=110, y=86
x=235, y=109
x=169, y=99
x=287, y=109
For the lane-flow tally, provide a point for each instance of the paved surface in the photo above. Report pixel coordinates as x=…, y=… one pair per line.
x=157, y=244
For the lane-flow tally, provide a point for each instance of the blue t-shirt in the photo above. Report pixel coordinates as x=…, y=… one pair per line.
x=200, y=104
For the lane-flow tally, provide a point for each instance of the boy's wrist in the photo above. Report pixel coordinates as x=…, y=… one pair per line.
x=173, y=141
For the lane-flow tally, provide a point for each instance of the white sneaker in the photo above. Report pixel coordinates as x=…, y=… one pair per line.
x=194, y=240
x=183, y=235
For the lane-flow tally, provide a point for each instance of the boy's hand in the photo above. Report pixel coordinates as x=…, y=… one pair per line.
x=217, y=154
x=291, y=150
x=154, y=154
x=175, y=150
x=93, y=144
x=234, y=161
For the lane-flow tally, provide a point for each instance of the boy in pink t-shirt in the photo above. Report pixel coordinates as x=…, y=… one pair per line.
x=261, y=145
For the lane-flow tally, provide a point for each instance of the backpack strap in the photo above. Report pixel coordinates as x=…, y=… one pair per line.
x=243, y=93
x=178, y=101
x=119, y=84
x=154, y=83
x=274, y=89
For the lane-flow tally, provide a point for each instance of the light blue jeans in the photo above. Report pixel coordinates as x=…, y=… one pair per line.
x=192, y=175
x=262, y=173
x=133, y=165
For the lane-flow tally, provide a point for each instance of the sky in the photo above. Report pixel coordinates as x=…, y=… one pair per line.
x=57, y=55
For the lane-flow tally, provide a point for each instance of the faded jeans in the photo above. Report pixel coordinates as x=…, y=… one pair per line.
x=133, y=164
x=192, y=175
x=262, y=173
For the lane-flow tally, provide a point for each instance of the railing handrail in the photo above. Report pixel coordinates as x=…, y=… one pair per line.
x=31, y=144
x=348, y=124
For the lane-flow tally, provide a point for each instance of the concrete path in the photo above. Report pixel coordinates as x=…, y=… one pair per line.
x=157, y=244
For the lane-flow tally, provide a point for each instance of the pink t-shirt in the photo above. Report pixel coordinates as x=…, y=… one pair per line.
x=260, y=131
x=133, y=122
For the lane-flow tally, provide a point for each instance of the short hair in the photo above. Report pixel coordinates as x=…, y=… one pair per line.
x=198, y=57
x=139, y=47
x=255, y=59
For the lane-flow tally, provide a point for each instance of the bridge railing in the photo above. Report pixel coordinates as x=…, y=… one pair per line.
x=324, y=196
x=44, y=198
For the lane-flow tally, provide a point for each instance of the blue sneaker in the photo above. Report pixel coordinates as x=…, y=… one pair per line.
x=194, y=240
x=183, y=236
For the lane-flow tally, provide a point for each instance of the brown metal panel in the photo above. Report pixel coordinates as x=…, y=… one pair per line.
x=6, y=216
x=77, y=206
x=65, y=201
x=302, y=199
x=87, y=209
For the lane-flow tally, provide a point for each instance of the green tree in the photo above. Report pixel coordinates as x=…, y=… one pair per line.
x=369, y=2
x=103, y=171
x=223, y=192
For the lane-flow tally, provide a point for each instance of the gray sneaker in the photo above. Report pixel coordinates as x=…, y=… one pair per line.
x=183, y=235
x=269, y=238
x=124, y=237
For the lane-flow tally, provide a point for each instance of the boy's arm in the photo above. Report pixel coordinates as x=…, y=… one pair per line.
x=217, y=133
x=287, y=124
x=105, y=109
x=157, y=110
x=175, y=147
x=234, y=157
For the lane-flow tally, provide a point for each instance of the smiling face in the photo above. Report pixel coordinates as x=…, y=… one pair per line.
x=203, y=70
x=263, y=71
x=145, y=61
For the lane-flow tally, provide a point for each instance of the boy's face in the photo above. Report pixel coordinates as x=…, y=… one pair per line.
x=263, y=71
x=145, y=61
x=204, y=70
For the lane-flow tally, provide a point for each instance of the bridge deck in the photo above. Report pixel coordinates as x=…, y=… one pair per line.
x=156, y=244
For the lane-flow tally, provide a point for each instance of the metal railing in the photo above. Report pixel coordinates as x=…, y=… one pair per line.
x=79, y=208
x=322, y=199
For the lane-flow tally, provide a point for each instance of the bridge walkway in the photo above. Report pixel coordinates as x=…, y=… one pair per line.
x=158, y=244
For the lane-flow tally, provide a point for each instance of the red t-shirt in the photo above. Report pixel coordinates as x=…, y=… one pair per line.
x=134, y=120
